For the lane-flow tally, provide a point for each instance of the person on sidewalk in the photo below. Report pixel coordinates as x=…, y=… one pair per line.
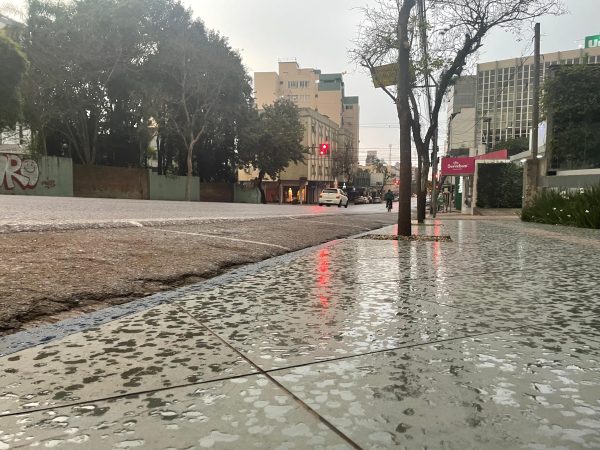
x=389, y=198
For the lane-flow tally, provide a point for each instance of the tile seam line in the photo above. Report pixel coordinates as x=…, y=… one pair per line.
x=266, y=374
x=259, y=371
x=123, y=396
x=402, y=347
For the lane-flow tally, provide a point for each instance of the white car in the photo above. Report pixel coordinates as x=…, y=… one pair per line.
x=333, y=196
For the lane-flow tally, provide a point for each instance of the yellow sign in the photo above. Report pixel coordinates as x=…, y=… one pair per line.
x=386, y=75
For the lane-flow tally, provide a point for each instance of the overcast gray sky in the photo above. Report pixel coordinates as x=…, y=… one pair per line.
x=319, y=33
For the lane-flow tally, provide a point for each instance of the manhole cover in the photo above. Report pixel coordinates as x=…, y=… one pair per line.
x=392, y=237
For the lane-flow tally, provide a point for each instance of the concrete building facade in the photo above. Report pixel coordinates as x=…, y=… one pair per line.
x=303, y=182
x=461, y=116
x=310, y=88
x=504, y=94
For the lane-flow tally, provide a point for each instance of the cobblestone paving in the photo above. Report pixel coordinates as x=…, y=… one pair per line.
x=489, y=341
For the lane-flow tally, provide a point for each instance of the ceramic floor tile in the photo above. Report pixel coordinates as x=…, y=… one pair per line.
x=159, y=348
x=247, y=412
x=279, y=327
x=537, y=390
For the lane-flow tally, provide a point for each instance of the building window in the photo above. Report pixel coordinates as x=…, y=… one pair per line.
x=304, y=84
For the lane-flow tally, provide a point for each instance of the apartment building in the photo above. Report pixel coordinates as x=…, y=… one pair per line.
x=504, y=94
x=303, y=182
x=310, y=88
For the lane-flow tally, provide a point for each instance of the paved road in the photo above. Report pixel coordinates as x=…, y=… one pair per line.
x=24, y=212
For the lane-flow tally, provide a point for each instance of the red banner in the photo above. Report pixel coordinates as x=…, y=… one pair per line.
x=458, y=166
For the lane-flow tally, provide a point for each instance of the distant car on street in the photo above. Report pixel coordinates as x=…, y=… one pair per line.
x=333, y=196
x=376, y=199
x=360, y=200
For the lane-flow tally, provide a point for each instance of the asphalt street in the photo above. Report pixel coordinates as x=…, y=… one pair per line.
x=46, y=213
x=67, y=257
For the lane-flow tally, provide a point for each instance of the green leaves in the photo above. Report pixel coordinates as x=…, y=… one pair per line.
x=103, y=70
x=13, y=67
x=273, y=139
x=572, y=102
x=499, y=186
x=576, y=208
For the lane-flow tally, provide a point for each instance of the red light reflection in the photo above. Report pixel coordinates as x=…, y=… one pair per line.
x=324, y=278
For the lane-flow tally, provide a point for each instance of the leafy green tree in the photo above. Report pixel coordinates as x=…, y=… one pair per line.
x=514, y=146
x=203, y=81
x=572, y=104
x=13, y=67
x=272, y=140
x=85, y=55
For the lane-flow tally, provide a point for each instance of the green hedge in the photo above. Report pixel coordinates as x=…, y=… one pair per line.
x=499, y=185
x=579, y=209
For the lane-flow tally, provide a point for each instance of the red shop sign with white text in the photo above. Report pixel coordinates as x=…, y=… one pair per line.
x=458, y=166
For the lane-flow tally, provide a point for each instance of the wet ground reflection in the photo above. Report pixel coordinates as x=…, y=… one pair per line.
x=489, y=341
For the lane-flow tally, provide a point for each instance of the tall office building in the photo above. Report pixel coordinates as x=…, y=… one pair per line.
x=504, y=94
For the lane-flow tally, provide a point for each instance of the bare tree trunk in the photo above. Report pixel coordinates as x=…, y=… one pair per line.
x=259, y=180
x=404, y=119
x=421, y=193
x=421, y=209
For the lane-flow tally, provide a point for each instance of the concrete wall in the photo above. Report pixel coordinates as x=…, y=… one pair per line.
x=45, y=175
x=216, y=192
x=243, y=193
x=570, y=181
x=110, y=182
x=166, y=187
x=462, y=133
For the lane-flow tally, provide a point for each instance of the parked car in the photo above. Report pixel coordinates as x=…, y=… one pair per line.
x=360, y=200
x=376, y=200
x=369, y=199
x=332, y=196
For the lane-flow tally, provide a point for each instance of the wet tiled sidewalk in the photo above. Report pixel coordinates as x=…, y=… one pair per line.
x=489, y=341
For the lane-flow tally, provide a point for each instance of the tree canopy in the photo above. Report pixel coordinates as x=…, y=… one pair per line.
x=12, y=71
x=572, y=103
x=272, y=140
x=513, y=145
x=442, y=38
x=108, y=77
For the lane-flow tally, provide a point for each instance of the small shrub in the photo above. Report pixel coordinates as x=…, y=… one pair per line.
x=579, y=209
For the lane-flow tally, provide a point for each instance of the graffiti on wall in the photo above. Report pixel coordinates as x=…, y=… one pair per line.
x=15, y=171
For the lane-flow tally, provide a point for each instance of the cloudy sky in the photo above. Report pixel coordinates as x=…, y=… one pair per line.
x=319, y=33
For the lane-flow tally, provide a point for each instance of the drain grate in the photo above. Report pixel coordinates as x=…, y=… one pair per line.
x=393, y=237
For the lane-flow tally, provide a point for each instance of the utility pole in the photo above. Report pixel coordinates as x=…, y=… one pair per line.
x=536, y=94
x=531, y=172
